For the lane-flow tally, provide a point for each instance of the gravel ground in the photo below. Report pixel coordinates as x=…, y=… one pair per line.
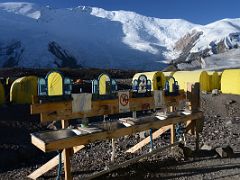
x=221, y=128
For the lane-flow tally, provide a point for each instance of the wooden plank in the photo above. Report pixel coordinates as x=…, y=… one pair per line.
x=50, y=107
x=56, y=115
x=67, y=164
x=66, y=156
x=193, y=95
x=173, y=100
x=58, y=111
x=86, y=139
x=139, y=104
x=99, y=108
x=190, y=126
x=38, y=143
x=145, y=141
x=173, y=134
x=44, y=168
x=50, y=165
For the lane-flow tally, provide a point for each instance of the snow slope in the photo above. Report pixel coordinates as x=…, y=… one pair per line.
x=36, y=36
x=217, y=31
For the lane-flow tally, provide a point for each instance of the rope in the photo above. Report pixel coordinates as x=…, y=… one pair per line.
x=179, y=131
x=151, y=140
x=59, y=165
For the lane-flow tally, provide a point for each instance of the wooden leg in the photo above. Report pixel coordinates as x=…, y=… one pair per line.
x=197, y=136
x=134, y=114
x=173, y=134
x=190, y=127
x=66, y=156
x=67, y=164
x=113, y=150
x=50, y=164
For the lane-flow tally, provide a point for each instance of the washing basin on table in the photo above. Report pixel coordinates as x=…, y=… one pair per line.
x=49, y=136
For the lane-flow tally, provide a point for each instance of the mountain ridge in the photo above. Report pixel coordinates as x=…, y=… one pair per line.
x=94, y=37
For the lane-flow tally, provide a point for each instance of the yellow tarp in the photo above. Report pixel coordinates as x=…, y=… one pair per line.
x=2, y=94
x=157, y=79
x=230, y=81
x=23, y=89
x=55, y=84
x=215, y=79
x=184, y=77
x=103, y=79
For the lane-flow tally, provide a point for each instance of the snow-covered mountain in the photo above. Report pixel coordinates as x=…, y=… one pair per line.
x=36, y=36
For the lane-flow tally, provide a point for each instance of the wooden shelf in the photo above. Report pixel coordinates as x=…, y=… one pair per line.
x=57, y=143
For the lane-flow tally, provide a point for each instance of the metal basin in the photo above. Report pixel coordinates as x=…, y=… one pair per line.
x=57, y=135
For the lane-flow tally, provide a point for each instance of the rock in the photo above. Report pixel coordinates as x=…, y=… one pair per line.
x=187, y=152
x=143, y=134
x=137, y=136
x=225, y=152
x=229, y=102
x=177, y=153
x=215, y=92
x=206, y=147
x=229, y=122
x=204, y=92
x=181, y=152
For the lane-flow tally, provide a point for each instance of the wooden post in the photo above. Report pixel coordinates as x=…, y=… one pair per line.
x=66, y=156
x=113, y=150
x=134, y=114
x=197, y=135
x=173, y=134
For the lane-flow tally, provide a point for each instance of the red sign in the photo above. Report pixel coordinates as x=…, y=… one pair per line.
x=124, y=99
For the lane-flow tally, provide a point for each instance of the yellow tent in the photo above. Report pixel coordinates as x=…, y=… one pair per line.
x=2, y=94
x=55, y=84
x=23, y=89
x=167, y=74
x=215, y=79
x=184, y=77
x=157, y=79
x=230, y=81
x=104, y=84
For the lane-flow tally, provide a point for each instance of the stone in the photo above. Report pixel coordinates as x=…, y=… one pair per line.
x=229, y=102
x=229, y=122
x=215, y=92
x=206, y=147
x=225, y=152
x=181, y=152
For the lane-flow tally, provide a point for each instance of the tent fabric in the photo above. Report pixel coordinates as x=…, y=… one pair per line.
x=23, y=89
x=153, y=76
x=2, y=94
x=185, y=77
x=103, y=78
x=55, y=84
x=167, y=74
x=215, y=79
x=230, y=81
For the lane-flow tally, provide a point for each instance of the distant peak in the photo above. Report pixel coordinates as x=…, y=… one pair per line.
x=23, y=8
x=87, y=9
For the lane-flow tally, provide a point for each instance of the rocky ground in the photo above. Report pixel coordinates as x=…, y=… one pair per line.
x=221, y=128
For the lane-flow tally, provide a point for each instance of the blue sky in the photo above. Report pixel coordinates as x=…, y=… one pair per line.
x=196, y=11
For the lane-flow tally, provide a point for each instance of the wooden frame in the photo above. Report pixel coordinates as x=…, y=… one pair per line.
x=53, y=111
x=63, y=110
x=89, y=138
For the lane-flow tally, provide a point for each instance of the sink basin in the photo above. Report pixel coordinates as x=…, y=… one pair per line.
x=56, y=135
